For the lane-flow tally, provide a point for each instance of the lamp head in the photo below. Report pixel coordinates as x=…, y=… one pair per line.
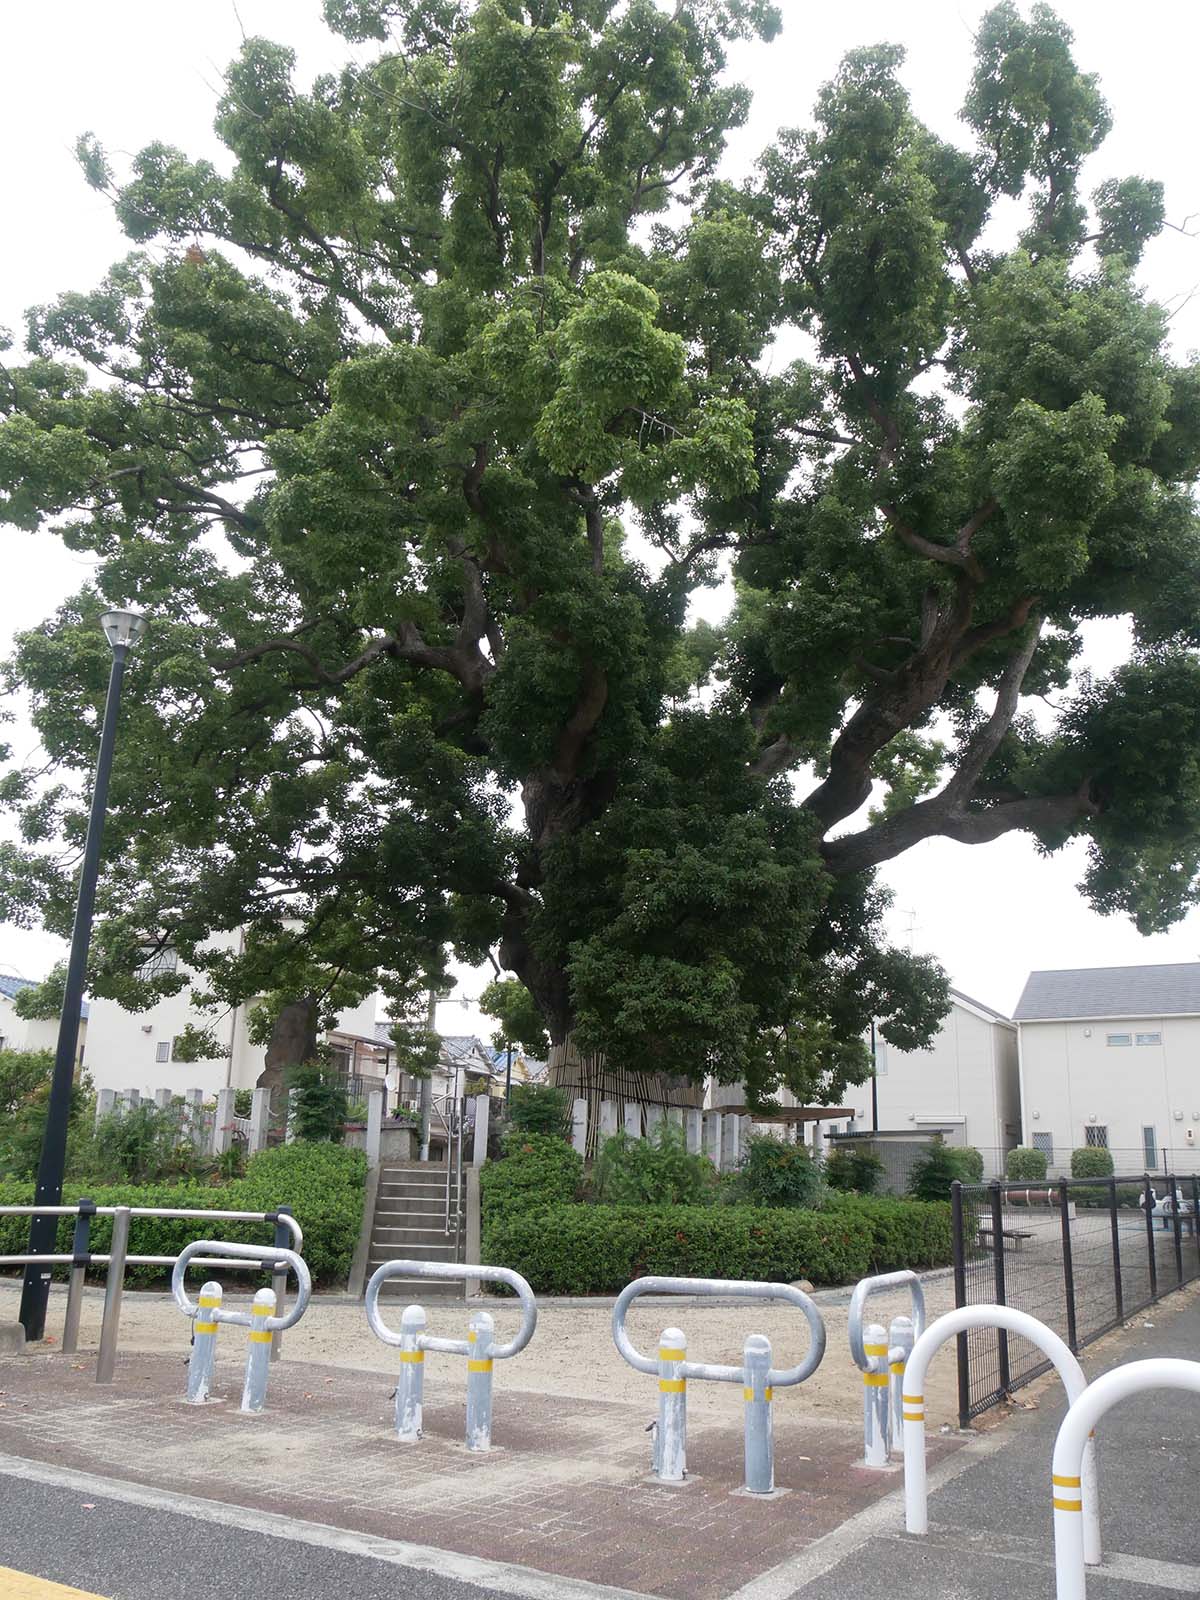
x=123, y=627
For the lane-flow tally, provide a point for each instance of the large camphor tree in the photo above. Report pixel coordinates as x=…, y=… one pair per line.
x=416, y=423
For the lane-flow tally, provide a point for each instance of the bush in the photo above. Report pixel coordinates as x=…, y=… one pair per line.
x=571, y=1249
x=1024, y=1164
x=322, y=1183
x=849, y=1170
x=933, y=1174
x=243, y=1102
x=1091, y=1161
x=972, y=1163
x=658, y=1171
x=145, y=1144
x=778, y=1174
x=319, y=1101
x=536, y=1170
x=539, y=1108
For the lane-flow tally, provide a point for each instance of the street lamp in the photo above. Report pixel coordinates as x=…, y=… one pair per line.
x=123, y=629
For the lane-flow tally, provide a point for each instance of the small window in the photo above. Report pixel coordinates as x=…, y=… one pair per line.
x=1045, y=1143
x=162, y=1050
x=1096, y=1135
x=1120, y=1039
x=1147, y=1038
x=1150, y=1147
x=155, y=964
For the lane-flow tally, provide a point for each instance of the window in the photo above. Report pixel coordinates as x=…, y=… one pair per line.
x=1147, y=1038
x=1045, y=1143
x=1120, y=1038
x=1150, y=1147
x=1096, y=1135
x=156, y=963
x=162, y=1050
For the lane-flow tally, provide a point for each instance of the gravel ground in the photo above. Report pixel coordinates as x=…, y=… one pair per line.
x=573, y=1352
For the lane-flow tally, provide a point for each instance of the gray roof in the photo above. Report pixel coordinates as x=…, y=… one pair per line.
x=13, y=986
x=979, y=1005
x=1160, y=991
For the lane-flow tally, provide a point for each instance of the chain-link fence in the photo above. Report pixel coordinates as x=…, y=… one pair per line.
x=1081, y=1255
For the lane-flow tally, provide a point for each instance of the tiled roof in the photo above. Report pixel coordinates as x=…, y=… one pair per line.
x=13, y=986
x=1169, y=990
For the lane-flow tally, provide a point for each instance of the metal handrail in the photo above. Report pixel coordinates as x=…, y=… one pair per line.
x=278, y=1217
x=879, y=1285
x=452, y=1269
x=777, y=1377
x=260, y=1255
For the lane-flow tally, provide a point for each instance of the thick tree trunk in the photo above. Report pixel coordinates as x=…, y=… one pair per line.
x=593, y=1078
x=293, y=1042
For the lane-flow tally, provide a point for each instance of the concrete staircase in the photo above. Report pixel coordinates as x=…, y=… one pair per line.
x=410, y=1222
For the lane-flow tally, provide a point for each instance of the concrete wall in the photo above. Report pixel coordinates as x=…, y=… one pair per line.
x=1072, y=1075
x=19, y=1034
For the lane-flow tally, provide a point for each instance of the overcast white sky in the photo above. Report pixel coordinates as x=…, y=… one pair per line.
x=137, y=70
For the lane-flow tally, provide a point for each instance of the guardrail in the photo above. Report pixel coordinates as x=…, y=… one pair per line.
x=478, y=1346
x=208, y=1313
x=881, y=1360
x=118, y=1258
x=756, y=1374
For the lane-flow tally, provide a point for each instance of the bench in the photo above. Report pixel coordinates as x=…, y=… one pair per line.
x=1015, y=1234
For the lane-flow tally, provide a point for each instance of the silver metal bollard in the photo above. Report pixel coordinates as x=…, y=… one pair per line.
x=480, y=1332
x=114, y=1287
x=669, y=1458
x=479, y=1347
x=410, y=1385
x=258, y=1352
x=875, y=1398
x=901, y=1338
x=204, y=1345
x=756, y=1375
x=758, y=1395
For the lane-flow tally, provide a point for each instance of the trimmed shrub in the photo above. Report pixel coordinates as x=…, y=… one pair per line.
x=1091, y=1161
x=658, y=1171
x=972, y=1163
x=322, y=1183
x=1024, y=1164
x=778, y=1174
x=570, y=1249
x=539, y=1108
x=933, y=1174
x=852, y=1171
x=319, y=1101
x=535, y=1171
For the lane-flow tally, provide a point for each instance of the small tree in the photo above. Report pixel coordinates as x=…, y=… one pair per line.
x=656, y=1171
x=1091, y=1161
x=778, y=1174
x=972, y=1164
x=319, y=1101
x=933, y=1173
x=853, y=1171
x=1025, y=1164
x=538, y=1108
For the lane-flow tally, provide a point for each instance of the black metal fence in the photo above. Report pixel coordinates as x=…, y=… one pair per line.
x=1081, y=1255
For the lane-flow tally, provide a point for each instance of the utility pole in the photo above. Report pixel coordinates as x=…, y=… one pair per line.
x=874, y=1083
x=426, y=1100
x=123, y=630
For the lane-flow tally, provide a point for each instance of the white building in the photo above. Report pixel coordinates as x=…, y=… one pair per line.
x=136, y=1049
x=1111, y=1056
x=19, y=1033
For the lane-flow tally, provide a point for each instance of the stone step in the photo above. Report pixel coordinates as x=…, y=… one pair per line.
x=389, y=1248
x=402, y=1239
x=422, y=1291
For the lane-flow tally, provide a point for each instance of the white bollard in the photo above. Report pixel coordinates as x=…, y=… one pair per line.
x=693, y=1131
x=410, y=1385
x=712, y=1137
x=633, y=1119
x=757, y=1396
x=106, y=1104
x=260, y=1116
x=608, y=1119
x=670, y=1436
x=480, y=1332
x=900, y=1343
x=204, y=1345
x=258, y=1353
x=875, y=1397
x=223, y=1123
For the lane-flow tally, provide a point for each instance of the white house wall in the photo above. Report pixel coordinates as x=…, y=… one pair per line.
x=1074, y=1079
x=20, y=1033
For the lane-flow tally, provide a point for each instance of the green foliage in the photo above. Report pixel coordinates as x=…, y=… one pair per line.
x=599, y=1249
x=318, y=1100
x=1091, y=1161
x=933, y=1173
x=1025, y=1163
x=535, y=1171
x=658, y=1170
x=322, y=1183
x=375, y=416
x=971, y=1161
x=24, y=1103
x=21, y=1072
x=243, y=1102
x=773, y=1173
x=145, y=1144
x=539, y=1108
x=43, y=1002
x=848, y=1169
x=520, y=1021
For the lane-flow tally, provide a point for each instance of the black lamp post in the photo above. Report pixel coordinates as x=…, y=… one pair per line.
x=123, y=630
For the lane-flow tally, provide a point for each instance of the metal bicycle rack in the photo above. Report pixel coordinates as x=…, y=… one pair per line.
x=756, y=1374
x=881, y=1359
x=208, y=1313
x=478, y=1347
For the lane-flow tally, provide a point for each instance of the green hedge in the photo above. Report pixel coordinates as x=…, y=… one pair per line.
x=537, y=1170
x=598, y=1249
x=322, y=1183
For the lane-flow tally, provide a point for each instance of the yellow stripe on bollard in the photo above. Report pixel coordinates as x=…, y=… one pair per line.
x=749, y=1394
x=913, y=1416
x=913, y=1399
x=1066, y=1505
x=412, y=1355
x=666, y=1353
x=876, y=1349
x=260, y=1336
x=207, y=1301
x=672, y=1386
x=875, y=1380
x=205, y=1327
x=479, y=1366
x=1064, y=1483
x=897, y=1367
